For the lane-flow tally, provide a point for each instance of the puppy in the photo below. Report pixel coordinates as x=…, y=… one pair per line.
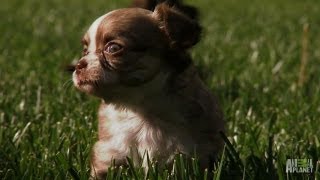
x=137, y=62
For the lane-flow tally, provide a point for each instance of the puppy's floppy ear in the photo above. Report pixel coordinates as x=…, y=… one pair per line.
x=182, y=31
x=190, y=11
x=145, y=4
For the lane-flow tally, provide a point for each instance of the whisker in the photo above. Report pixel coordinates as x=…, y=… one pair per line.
x=67, y=84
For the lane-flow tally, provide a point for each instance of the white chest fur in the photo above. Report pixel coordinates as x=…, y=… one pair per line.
x=123, y=130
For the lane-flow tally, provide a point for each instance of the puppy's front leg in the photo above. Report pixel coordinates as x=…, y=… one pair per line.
x=103, y=154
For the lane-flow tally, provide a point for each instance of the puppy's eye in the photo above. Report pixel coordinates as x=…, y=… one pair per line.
x=85, y=50
x=112, y=48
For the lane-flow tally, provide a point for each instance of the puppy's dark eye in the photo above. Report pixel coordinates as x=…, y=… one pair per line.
x=85, y=50
x=112, y=48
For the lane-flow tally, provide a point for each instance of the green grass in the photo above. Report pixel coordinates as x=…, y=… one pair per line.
x=250, y=56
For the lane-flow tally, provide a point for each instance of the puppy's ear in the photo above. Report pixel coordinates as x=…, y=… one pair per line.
x=145, y=4
x=190, y=11
x=182, y=31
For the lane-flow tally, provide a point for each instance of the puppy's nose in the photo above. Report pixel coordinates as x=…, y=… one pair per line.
x=81, y=65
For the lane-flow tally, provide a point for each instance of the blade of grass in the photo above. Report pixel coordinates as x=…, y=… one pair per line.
x=195, y=168
x=132, y=168
x=232, y=150
x=74, y=173
x=217, y=175
x=205, y=176
x=317, y=172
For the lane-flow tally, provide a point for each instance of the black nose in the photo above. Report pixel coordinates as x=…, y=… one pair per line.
x=81, y=65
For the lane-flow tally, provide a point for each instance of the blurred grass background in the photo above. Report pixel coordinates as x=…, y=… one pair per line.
x=250, y=56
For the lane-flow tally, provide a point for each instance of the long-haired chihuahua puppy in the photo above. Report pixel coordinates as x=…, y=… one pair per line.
x=137, y=62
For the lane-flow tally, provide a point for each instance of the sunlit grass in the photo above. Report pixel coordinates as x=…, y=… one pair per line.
x=250, y=56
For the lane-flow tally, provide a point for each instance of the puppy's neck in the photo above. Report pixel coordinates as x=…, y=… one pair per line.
x=140, y=95
x=158, y=98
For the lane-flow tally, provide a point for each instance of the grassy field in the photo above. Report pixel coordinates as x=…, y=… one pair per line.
x=251, y=56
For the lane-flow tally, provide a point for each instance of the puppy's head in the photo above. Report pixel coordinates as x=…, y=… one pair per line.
x=130, y=47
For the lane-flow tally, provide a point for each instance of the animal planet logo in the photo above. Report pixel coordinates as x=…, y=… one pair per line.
x=299, y=166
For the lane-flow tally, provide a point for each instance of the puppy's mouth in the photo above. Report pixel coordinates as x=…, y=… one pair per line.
x=86, y=82
x=83, y=84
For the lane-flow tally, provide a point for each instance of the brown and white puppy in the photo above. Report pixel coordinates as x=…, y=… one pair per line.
x=137, y=62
